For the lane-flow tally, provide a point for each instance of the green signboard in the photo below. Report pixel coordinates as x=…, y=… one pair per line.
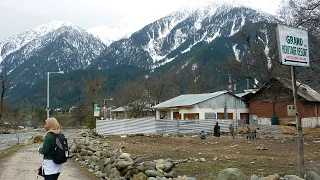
x=96, y=110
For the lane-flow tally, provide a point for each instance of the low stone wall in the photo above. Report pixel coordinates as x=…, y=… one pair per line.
x=112, y=164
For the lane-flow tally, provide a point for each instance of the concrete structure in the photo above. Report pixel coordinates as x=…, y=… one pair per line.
x=217, y=105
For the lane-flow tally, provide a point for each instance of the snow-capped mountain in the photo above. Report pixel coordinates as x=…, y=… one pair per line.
x=163, y=40
x=109, y=35
x=13, y=43
x=208, y=30
x=51, y=47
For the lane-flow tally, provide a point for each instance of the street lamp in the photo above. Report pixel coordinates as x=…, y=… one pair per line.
x=48, y=73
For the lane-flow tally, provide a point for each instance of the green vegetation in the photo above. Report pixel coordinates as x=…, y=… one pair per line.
x=10, y=150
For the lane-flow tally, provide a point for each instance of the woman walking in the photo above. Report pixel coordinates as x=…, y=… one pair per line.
x=51, y=170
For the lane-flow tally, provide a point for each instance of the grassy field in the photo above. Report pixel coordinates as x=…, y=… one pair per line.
x=221, y=153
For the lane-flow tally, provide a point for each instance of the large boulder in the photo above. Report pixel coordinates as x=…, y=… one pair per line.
x=311, y=175
x=153, y=173
x=273, y=177
x=38, y=139
x=292, y=177
x=231, y=174
x=140, y=176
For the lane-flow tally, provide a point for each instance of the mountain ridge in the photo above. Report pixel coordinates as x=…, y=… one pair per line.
x=176, y=40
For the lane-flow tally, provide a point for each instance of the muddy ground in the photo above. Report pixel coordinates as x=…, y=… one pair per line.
x=220, y=153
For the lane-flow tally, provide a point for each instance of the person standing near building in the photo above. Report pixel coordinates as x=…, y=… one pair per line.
x=216, y=130
x=231, y=129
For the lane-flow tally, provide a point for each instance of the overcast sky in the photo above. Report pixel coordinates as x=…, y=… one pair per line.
x=19, y=15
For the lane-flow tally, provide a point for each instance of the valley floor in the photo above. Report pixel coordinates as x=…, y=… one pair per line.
x=279, y=154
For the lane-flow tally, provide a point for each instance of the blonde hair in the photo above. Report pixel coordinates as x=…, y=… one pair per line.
x=53, y=125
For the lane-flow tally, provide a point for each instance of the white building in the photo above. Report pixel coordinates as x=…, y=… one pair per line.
x=217, y=105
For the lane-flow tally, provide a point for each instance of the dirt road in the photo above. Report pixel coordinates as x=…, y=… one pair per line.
x=23, y=165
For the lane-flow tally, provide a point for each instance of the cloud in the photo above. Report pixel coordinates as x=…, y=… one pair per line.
x=22, y=15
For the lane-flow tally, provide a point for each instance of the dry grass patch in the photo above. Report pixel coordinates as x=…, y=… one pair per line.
x=221, y=153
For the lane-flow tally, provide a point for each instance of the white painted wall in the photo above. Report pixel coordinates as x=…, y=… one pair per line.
x=311, y=122
x=264, y=121
x=236, y=112
x=169, y=114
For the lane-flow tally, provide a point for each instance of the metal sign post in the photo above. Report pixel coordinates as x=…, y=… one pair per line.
x=299, y=124
x=294, y=51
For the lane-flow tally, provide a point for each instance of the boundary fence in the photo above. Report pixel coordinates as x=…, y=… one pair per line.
x=161, y=126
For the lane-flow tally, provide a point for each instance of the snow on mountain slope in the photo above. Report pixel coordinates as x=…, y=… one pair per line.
x=15, y=42
x=51, y=47
x=167, y=38
x=108, y=35
x=203, y=23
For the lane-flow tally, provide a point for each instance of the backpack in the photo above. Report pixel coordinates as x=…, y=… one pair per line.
x=61, y=151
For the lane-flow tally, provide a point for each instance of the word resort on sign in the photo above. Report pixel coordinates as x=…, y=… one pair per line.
x=293, y=46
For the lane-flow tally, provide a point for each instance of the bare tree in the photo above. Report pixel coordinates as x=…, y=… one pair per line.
x=175, y=79
x=134, y=97
x=79, y=113
x=5, y=83
x=91, y=87
x=158, y=88
x=306, y=14
x=262, y=61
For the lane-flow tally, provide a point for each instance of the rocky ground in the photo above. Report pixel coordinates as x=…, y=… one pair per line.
x=204, y=159
x=180, y=157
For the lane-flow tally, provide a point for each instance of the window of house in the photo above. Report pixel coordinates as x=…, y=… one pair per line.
x=291, y=110
x=163, y=114
x=176, y=115
x=221, y=116
x=191, y=116
x=244, y=116
x=210, y=115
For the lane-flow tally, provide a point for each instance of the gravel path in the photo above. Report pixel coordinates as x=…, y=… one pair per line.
x=24, y=164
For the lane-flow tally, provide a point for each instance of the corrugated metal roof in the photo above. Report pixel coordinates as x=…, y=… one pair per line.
x=243, y=94
x=123, y=109
x=188, y=99
x=119, y=109
x=303, y=90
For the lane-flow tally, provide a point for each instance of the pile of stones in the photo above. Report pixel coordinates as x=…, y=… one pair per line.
x=113, y=164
